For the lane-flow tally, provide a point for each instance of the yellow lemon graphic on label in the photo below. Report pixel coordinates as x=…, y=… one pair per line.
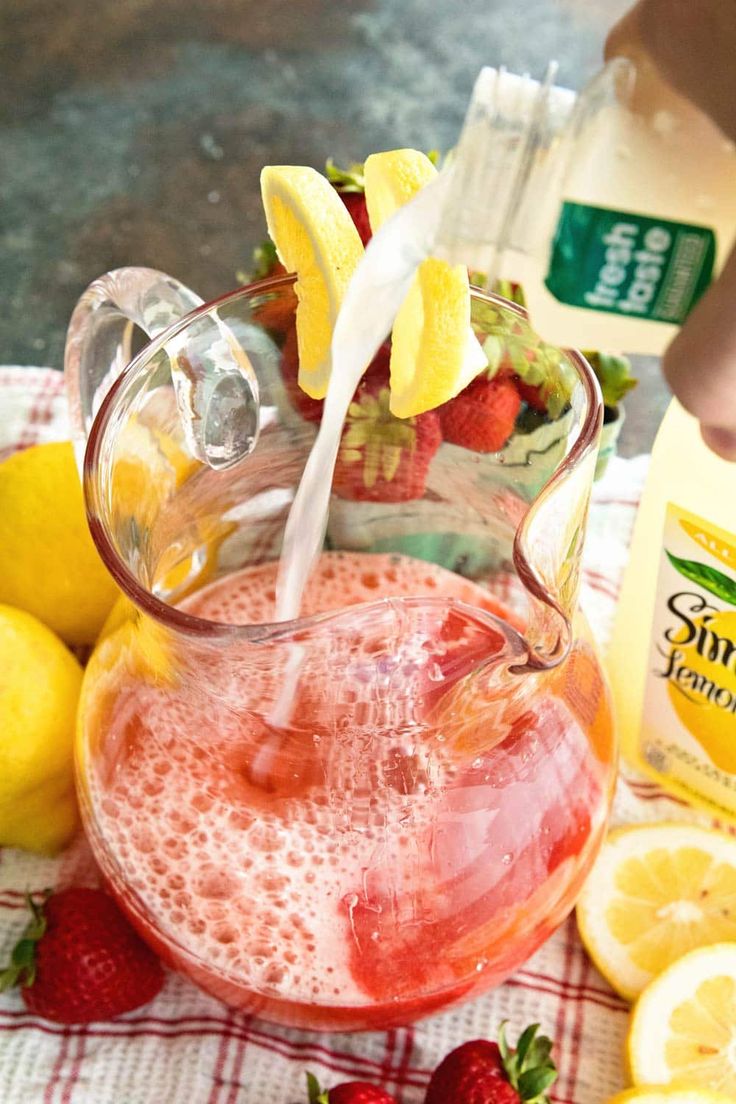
x=702, y=682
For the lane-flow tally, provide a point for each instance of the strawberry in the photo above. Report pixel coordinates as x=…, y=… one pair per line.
x=350, y=186
x=482, y=417
x=383, y=458
x=350, y=1092
x=355, y=203
x=80, y=960
x=532, y=395
x=311, y=409
x=482, y=1072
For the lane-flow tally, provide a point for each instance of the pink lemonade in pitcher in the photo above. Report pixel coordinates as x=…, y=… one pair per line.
x=385, y=852
x=345, y=755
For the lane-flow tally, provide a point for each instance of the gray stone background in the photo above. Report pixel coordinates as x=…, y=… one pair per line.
x=133, y=131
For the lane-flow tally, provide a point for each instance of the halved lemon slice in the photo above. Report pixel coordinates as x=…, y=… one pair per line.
x=664, y=1094
x=392, y=179
x=434, y=354
x=683, y=1030
x=314, y=237
x=656, y=892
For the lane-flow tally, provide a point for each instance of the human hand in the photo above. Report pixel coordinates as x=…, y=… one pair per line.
x=693, y=46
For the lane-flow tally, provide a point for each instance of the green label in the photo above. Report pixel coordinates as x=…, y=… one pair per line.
x=624, y=263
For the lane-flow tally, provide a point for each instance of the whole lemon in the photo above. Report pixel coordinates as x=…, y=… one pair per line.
x=40, y=682
x=48, y=562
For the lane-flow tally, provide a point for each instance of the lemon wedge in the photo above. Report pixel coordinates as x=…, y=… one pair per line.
x=656, y=892
x=434, y=353
x=664, y=1094
x=314, y=237
x=683, y=1030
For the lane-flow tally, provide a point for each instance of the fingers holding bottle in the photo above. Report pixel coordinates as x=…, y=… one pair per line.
x=700, y=364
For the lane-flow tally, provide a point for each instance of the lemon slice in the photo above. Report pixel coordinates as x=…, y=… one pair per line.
x=683, y=1029
x=434, y=353
x=663, y=1094
x=392, y=179
x=314, y=237
x=656, y=892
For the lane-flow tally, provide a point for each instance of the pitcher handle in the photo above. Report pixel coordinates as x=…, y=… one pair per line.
x=217, y=398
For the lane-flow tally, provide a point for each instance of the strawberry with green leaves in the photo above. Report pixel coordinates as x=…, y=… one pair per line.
x=383, y=458
x=483, y=1072
x=79, y=960
x=350, y=1092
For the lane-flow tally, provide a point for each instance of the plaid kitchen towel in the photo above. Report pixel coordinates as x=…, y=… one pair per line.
x=186, y=1048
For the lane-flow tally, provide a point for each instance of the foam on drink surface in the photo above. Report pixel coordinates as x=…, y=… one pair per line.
x=264, y=895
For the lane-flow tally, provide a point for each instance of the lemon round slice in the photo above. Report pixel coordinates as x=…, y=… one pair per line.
x=683, y=1030
x=314, y=237
x=434, y=354
x=664, y=1094
x=656, y=892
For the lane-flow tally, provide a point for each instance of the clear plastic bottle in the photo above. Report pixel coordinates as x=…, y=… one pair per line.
x=614, y=208
x=672, y=658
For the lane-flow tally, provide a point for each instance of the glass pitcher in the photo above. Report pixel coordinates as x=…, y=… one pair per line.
x=419, y=814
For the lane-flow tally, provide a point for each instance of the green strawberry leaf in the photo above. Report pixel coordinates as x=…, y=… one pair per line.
x=534, y=1083
x=539, y=1051
x=503, y=1045
x=715, y=582
x=315, y=1094
x=528, y=1068
x=509, y=290
x=264, y=258
x=614, y=375
x=494, y=350
x=22, y=967
x=346, y=180
x=525, y=1041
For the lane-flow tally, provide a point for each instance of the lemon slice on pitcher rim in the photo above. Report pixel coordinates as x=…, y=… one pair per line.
x=683, y=1029
x=656, y=892
x=314, y=237
x=665, y=1094
x=434, y=354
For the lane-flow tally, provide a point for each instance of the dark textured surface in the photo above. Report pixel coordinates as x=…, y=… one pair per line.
x=133, y=132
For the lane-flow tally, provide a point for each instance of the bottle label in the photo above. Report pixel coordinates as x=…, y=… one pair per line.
x=688, y=729
x=629, y=264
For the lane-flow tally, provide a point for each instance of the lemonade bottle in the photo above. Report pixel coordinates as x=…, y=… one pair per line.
x=614, y=208
x=672, y=658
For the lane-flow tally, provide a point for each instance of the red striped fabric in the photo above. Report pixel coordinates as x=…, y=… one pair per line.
x=185, y=1048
